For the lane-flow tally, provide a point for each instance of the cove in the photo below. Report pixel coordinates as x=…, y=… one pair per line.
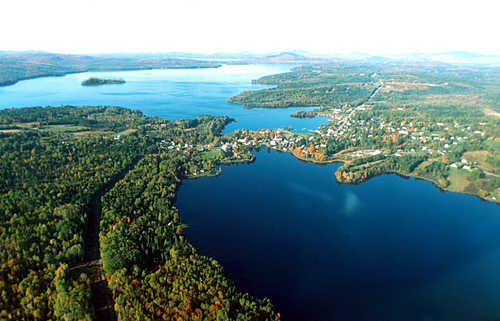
x=168, y=93
x=388, y=249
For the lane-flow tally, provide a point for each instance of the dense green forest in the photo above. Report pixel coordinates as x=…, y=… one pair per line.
x=16, y=66
x=56, y=166
x=433, y=121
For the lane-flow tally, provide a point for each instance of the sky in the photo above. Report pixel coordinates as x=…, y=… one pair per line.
x=259, y=26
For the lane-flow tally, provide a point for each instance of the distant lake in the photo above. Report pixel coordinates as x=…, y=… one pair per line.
x=168, y=93
x=388, y=249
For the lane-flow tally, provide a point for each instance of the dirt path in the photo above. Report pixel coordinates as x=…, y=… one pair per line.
x=490, y=174
x=102, y=297
x=94, y=210
x=491, y=112
x=372, y=94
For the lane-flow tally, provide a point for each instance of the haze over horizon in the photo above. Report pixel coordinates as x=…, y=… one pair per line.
x=379, y=28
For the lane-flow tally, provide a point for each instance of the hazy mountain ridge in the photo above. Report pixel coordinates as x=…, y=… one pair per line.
x=302, y=56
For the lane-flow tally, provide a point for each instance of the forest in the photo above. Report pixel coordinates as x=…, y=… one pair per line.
x=56, y=165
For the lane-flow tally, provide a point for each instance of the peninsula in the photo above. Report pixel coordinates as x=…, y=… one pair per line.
x=432, y=121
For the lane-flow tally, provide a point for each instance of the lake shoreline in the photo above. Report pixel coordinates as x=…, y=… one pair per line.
x=13, y=82
x=399, y=173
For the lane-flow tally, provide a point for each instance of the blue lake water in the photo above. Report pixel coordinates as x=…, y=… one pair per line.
x=171, y=93
x=388, y=249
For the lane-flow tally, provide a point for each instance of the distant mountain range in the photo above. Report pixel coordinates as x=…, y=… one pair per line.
x=450, y=57
x=302, y=56
x=455, y=57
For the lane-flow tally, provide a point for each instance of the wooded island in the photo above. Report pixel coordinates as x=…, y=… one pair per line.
x=99, y=82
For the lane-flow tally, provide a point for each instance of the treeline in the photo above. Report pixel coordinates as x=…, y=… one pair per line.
x=362, y=170
x=99, y=117
x=307, y=76
x=324, y=95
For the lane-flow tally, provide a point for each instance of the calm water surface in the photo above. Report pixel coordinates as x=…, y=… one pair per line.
x=388, y=249
x=171, y=93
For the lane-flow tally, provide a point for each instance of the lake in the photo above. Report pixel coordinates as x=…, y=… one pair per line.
x=389, y=249
x=168, y=93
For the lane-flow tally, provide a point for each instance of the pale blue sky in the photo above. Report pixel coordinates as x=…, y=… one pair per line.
x=377, y=27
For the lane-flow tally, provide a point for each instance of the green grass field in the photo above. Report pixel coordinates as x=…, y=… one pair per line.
x=211, y=154
x=458, y=179
x=64, y=128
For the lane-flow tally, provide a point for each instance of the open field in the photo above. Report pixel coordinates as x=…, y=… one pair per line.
x=63, y=128
x=212, y=154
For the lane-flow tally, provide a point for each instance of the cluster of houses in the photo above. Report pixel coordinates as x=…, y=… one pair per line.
x=172, y=145
x=277, y=139
x=464, y=164
x=417, y=137
x=412, y=137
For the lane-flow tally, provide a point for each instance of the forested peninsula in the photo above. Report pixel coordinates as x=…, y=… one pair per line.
x=16, y=66
x=88, y=229
x=432, y=121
